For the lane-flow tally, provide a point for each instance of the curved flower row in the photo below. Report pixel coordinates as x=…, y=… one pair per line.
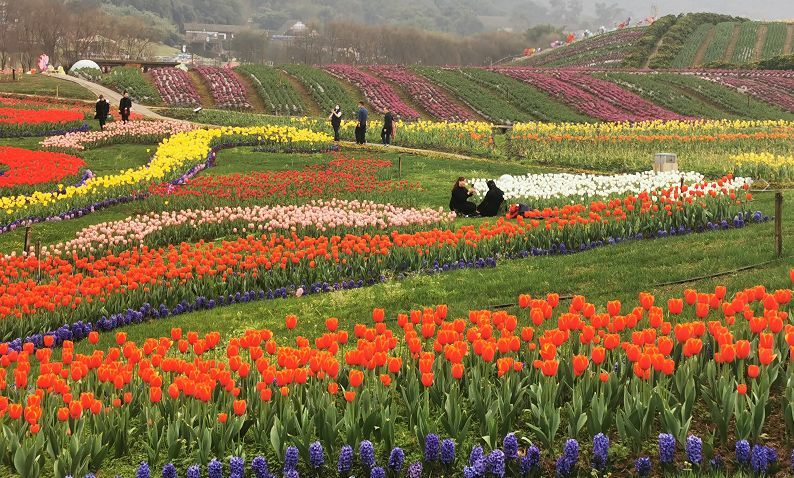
x=428, y=95
x=175, y=155
x=34, y=291
x=379, y=93
x=575, y=186
x=175, y=87
x=320, y=216
x=227, y=90
x=118, y=132
x=28, y=168
x=693, y=353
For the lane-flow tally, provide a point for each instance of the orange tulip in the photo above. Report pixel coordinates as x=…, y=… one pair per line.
x=741, y=388
x=355, y=378
x=603, y=376
x=378, y=315
x=93, y=337
x=239, y=407
x=350, y=396
x=385, y=379
x=753, y=371
x=63, y=414
x=549, y=368
x=223, y=417
x=121, y=338
x=580, y=364
x=291, y=321
x=427, y=379
x=332, y=323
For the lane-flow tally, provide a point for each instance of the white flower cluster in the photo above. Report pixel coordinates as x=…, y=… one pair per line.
x=576, y=186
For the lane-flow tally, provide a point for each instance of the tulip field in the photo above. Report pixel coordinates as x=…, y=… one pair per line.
x=241, y=296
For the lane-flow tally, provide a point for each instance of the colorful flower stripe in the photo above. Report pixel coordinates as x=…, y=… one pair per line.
x=776, y=168
x=227, y=90
x=175, y=87
x=30, y=168
x=428, y=95
x=575, y=186
x=318, y=216
x=40, y=288
x=117, y=133
x=379, y=93
x=340, y=176
x=175, y=155
x=428, y=359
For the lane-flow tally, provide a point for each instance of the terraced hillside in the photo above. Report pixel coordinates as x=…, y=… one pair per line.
x=607, y=49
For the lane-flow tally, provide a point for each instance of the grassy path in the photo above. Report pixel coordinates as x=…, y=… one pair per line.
x=760, y=41
x=737, y=30
x=312, y=108
x=256, y=101
x=787, y=47
x=205, y=95
x=704, y=46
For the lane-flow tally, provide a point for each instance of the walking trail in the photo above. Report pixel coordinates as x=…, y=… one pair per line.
x=112, y=96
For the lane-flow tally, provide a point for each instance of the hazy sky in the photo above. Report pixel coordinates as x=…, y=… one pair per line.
x=754, y=9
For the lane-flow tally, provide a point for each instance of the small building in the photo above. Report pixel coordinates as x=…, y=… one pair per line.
x=210, y=37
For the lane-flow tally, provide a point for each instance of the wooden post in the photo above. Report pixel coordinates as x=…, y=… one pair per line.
x=26, y=244
x=57, y=89
x=779, y=224
x=400, y=167
x=38, y=261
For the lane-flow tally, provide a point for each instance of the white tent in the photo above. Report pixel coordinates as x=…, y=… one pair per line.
x=82, y=64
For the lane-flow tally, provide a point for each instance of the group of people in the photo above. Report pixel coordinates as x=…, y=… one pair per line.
x=362, y=115
x=488, y=207
x=103, y=109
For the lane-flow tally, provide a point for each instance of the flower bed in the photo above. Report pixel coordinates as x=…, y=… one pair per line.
x=131, y=79
x=175, y=87
x=117, y=133
x=379, y=93
x=638, y=372
x=33, y=168
x=269, y=262
x=342, y=176
x=227, y=90
x=277, y=93
x=775, y=168
x=429, y=97
x=16, y=122
x=316, y=217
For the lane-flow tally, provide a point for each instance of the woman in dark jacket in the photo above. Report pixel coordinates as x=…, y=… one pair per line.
x=489, y=207
x=125, y=107
x=102, y=111
x=460, y=199
x=336, y=121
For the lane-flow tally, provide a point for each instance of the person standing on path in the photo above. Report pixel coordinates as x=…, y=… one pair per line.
x=388, y=128
x=361, y=127
x=125, y=107
x=336, y=121
x=102, y=112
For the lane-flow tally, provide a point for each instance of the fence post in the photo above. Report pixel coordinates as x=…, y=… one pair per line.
x=399, y=167
x=26, y=244
x=779, y=224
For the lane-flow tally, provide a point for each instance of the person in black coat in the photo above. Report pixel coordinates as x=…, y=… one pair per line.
x=361, y=127
x=460, y=199
x=125, y=107
x=336, y=121
x=388, y=128
x=102, y=112
x=489, y=207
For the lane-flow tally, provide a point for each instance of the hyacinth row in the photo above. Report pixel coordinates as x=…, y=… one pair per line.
x=226, y=88
x=457, y=377
x=378, y=93
x=175, y=87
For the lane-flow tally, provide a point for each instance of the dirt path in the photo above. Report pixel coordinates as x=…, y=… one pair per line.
x=737, y=31
x=789, y=39
x=760, y=41
x=256, y=101
x=704, y=45
x=205, y=95
x=653, y=53
x=112, y=96
x=312, y=108
x=702, y=98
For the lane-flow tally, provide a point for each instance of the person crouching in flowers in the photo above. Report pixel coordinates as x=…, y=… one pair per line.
x=516, y=210
x=460, y=199
x=489, y=207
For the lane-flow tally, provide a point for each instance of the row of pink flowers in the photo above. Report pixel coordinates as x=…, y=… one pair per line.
x=175, y=87
x=607, y=102
x=613, y=40
x=774, y=90
x=118, y=132
x=428, y=95
x=378, y=92
x=321, y=215
x=226, y=88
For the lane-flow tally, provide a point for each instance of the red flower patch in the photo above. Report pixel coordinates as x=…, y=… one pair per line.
x=27, y=167
x=29, y=117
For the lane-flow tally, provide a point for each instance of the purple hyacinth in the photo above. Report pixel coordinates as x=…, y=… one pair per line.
x=291, y=474
x=236, y=467
x=694, y=450
x=415, y=470
x=447, y=451
x=759, y=459
x=666, y=448
x=530, y=461
x=791, y=461
x=366, y=454
x=600, y=451
x=432, y=447
x=643, y=466
x=396, y=459
x=316, y=455
x=743, y=452
x=566, y=463
x=215, y=469
x=143, y=471
x=259, y=465
x=291, y=459
x=771, y=454
x=717, y=463
x=495, y=463
x=377, y=472
x=169, y=471
x=510, y=446
x=469, y=472
x=345, y=462
x=194, y=471
x=476, y=454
